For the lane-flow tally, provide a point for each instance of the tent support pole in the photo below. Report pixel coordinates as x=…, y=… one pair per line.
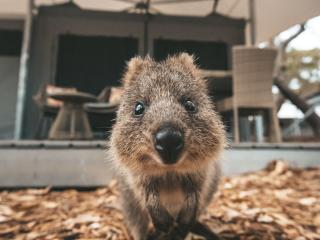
x=252, y=16
x=146, y=28
x=23, y=71
x=146, y=34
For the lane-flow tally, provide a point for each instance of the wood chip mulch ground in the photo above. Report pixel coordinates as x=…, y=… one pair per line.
x=275, y=203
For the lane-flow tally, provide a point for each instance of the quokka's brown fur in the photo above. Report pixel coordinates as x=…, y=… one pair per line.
x=162, y=201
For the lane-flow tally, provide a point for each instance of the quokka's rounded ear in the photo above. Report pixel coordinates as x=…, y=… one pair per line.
x=134, y=66
x=186, y=61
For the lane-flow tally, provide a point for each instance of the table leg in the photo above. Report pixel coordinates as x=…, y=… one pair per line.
x=72, y=123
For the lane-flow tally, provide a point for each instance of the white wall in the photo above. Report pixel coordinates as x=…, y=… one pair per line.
x=85, y=163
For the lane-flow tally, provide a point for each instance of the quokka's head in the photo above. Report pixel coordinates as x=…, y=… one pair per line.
x=166, y=119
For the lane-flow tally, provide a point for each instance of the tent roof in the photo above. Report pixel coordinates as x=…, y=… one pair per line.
x=272, y=16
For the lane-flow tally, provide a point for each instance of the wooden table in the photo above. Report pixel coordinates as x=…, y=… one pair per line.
x=216, y=73
x=72, y=121
x=101, y=107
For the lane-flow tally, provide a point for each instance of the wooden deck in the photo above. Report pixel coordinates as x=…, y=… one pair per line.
x=84, y=163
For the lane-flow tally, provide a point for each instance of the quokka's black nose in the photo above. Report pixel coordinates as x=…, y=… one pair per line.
x=169, y=144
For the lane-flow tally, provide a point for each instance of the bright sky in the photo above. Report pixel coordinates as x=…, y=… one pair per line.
x=307, y=40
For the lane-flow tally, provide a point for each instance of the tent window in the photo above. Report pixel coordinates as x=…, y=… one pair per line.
x=210, y=55
x=92, y=63
x=10, y=42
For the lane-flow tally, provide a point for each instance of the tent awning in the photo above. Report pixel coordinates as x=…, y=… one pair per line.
x=271, y=16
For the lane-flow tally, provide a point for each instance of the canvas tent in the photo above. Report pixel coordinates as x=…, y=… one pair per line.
x=270, y=16
x=265, y=19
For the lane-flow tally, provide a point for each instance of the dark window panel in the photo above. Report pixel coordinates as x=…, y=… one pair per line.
x=209, y=55
x=10, y=42
x=92, y=63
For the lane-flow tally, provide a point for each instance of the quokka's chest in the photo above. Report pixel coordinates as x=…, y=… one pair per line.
x=172, y=200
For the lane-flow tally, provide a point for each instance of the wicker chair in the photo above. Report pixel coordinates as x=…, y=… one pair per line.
x=252, y=83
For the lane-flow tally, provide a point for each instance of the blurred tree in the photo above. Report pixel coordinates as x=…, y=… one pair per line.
x=303, y=71
x=295, y=71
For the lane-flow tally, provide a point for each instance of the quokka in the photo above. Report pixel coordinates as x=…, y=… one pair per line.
x=164, y=146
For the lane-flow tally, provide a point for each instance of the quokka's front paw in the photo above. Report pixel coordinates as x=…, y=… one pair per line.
x=203, y=230
x=158, y=235
x=155, y=235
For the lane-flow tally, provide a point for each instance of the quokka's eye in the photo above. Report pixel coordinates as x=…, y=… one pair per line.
x=190, y=106
x=139, y=109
